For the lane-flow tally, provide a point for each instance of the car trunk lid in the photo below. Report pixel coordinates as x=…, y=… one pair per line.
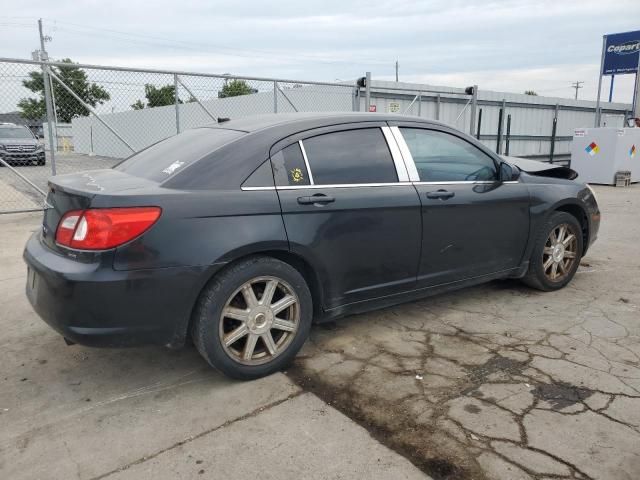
x=79, y=191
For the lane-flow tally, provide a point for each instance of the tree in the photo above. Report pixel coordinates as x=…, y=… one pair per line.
x=157, y=97
x=67, y=107
x=139, y=105
x=235, y=88
x=530, y=92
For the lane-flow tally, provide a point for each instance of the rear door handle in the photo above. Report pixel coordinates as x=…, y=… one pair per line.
x=318, y=198
x=441, y=194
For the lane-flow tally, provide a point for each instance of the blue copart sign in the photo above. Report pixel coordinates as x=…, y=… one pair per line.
x=621, y=53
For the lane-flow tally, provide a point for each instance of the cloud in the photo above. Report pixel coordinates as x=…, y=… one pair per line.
x=505, y=45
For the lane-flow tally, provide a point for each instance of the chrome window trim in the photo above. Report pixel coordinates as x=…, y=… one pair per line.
x=253, y=189
x=458, y=182
x=345, y=185
x=398, y=160
x=339, y=185
x=410, y=165
x=390, y=184
x=306, y=162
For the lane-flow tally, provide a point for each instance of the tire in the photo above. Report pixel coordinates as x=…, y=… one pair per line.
x=546, y=253
x=276, y=338
x=42, y=162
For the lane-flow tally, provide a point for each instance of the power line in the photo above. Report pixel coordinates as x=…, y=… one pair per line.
x=152, y=40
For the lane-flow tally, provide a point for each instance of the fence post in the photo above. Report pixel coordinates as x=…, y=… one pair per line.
x=355, y=99
x=55, y=113
x=367, y=91
x=275, y=97
x=554, y=127
x=419, y=104
x=177, y=101
x=474, y=106
x=553, y=139
x=50, y=115
x=438, y=107
x=508, y=138
x=499, y=140
x=479, y=124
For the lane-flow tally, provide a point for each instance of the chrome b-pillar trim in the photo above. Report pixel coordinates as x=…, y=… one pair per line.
x=406, y=155
x=401, y=168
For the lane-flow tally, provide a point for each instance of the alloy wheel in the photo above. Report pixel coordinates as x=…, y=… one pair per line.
x=560, y=252
x=259, y=320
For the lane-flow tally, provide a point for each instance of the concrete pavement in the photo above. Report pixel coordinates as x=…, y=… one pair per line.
x=74, y=412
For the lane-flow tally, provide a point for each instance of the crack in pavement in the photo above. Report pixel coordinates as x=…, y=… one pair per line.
x=146, y=458
x=491, y=382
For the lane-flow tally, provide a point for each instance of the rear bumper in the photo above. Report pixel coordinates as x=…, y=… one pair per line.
x=92, y=304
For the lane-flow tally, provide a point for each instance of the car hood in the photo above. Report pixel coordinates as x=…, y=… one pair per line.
x=541, y=169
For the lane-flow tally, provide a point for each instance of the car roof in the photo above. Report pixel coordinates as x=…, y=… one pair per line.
x=271, y=120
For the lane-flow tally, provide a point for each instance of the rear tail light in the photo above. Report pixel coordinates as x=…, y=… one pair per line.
x=103, y=228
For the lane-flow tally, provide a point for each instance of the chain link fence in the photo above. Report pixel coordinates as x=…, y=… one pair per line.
x=101, y=115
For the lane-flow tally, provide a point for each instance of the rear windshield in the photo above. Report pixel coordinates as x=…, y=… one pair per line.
x=168, y=157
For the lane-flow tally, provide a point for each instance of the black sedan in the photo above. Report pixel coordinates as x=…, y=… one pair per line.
x=240, y=234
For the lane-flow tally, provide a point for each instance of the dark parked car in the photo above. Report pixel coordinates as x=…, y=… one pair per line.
x=242, y=233
x=18, y=146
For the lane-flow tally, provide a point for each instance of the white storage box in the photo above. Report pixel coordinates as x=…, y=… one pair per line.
x=598, y=153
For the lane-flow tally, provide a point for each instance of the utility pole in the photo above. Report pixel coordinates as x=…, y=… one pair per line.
x=577, y=85
x=396, y=70
x=44, y=57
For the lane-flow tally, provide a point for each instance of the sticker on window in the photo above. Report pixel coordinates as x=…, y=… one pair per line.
x=173, y=167
x=296, y=175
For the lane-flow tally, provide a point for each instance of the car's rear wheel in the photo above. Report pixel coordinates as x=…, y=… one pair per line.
x=253, y=318
x=556, y=254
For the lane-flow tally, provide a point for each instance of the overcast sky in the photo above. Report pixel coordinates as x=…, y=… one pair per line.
x=502, y=45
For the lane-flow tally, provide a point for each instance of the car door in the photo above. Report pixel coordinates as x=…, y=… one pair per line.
x=349, y=209
x=473, y=223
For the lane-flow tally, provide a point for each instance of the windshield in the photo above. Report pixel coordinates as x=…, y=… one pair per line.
x=16, y=132
x=162, y=160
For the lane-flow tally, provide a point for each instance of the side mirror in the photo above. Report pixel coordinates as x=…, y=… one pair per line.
x=508, y=173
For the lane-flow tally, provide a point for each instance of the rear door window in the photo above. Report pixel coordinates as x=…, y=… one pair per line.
x=350, y=157
x=162, y=160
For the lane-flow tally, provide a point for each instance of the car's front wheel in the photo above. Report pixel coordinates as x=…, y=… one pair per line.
x=556, y=254
x=252, y=319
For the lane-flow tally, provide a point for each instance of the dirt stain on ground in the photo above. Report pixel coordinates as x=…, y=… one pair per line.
x=397, y=431
x=561, y=395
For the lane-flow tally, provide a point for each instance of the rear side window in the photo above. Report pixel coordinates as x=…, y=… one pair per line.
x=289, y=167
x=352, y=156
x=442, y=157
x=160, y=161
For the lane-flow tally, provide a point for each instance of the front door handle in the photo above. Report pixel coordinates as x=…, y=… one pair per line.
x=441, y=194
x=317, y=199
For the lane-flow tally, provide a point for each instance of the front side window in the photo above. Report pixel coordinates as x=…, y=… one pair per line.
x=442, y=157
x=352, y=156
x=289, y=168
